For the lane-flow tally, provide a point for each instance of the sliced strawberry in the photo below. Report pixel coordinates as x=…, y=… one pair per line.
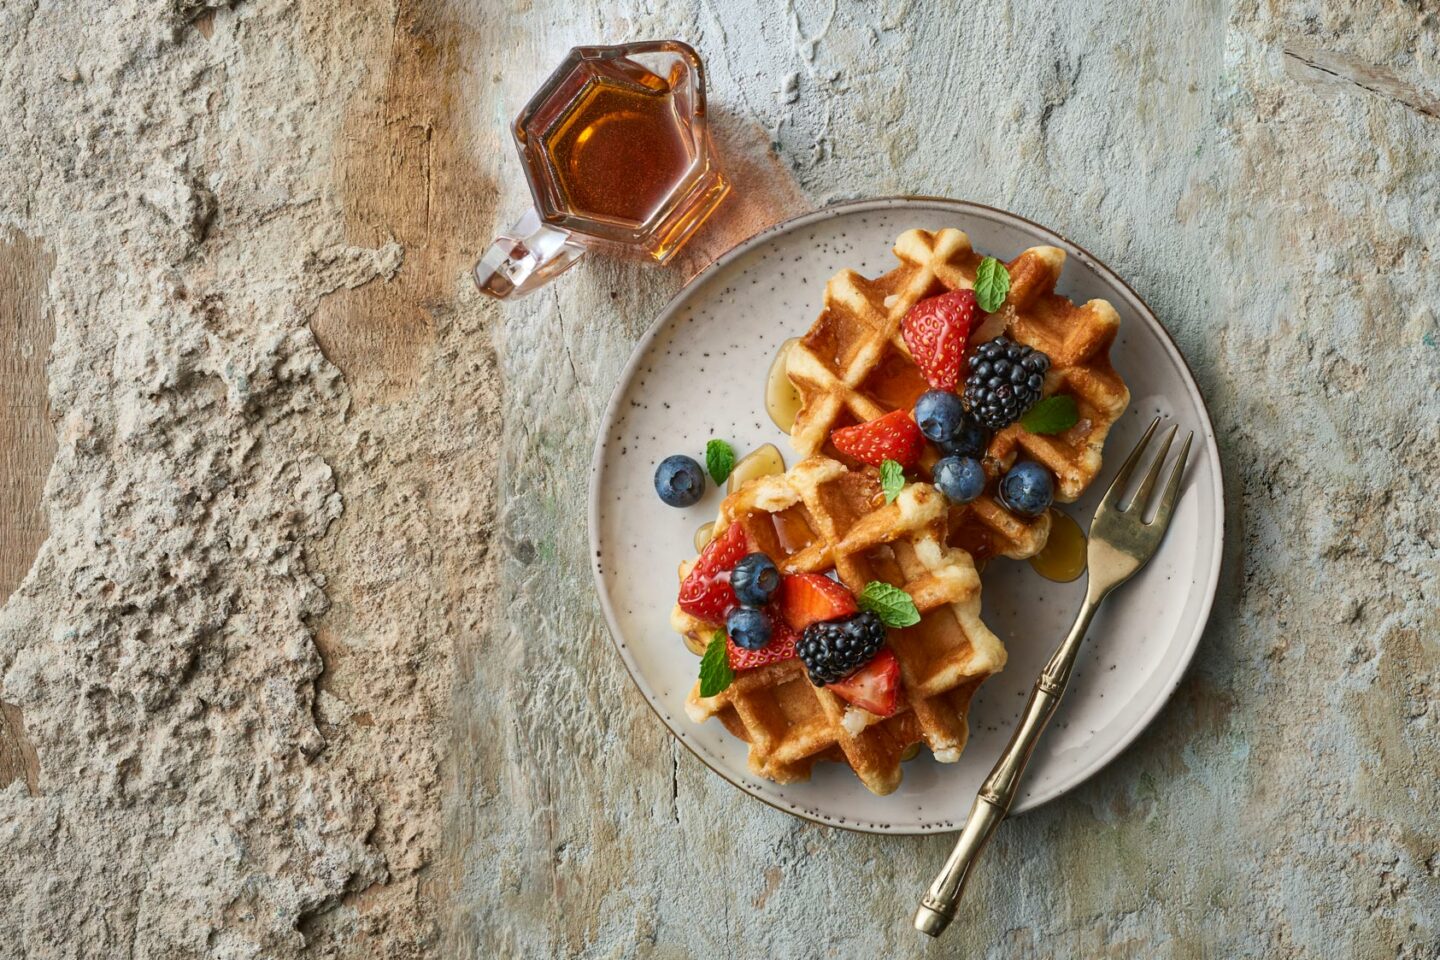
x=781, y=647
x=806, y=598
x=706, y=593
x=875, y=686
x=936, y=330
x=892, y=437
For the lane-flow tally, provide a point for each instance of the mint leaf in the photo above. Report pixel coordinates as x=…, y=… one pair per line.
x=892, y=479
x=891, y=604
x=992, y=282
x=719, y=460
x=1052, y=415
x=715, y=672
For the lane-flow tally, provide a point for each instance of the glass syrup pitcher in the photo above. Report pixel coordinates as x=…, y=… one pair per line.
x=616, y=147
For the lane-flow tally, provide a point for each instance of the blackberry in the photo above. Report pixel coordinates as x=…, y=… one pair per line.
x=833, y=649
x=1005, y=380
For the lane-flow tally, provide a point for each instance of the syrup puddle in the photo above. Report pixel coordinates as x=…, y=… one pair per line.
x=703, y=535
x=782, y=400
x=760, y=462
x=1063, y=558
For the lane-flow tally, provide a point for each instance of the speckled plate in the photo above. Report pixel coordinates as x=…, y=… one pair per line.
x=700, y=373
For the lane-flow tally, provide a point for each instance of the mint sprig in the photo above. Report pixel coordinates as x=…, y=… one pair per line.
x=715, y=672
x=992, y=283
x=892, y=479
x=891, y=604
x=1052, y=415
x=719, y=460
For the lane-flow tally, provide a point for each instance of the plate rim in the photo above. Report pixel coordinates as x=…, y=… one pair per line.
x=961, y=207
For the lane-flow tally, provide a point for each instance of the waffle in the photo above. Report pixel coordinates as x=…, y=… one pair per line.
x=853, y=366
x=822, y=516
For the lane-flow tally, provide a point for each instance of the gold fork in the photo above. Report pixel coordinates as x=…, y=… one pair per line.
x=1121, y=541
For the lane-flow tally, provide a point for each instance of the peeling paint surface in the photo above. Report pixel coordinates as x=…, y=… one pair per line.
x=301, y=655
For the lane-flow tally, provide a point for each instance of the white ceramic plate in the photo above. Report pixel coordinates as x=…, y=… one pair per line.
x=700, y=373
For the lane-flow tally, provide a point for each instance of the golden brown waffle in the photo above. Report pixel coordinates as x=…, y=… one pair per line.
x=821, y=516
x=853, y=366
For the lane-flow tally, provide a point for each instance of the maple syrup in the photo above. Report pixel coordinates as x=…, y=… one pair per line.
x=973, y=538
x=791, y=531
x=896, y=383
x=620, y=149
x=782, y=400
x=1063, y=557
x=761, y=462
x=704, y=535
x=617, y=151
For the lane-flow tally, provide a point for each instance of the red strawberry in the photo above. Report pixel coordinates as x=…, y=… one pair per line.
x=705, y=593
x=936, y=330
x=875, y=686
x=892, y=437
x=806, y=598
x=781, y=647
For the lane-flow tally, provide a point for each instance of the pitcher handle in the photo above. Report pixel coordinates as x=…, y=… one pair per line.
x=529, y=255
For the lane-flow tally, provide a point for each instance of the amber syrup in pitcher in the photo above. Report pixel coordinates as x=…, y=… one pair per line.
x=620, y=152
x=621, y=149
x=617, y=154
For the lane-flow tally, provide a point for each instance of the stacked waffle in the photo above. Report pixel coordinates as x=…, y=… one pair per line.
x=853, y=365
x=828, y=514
x=821, y=517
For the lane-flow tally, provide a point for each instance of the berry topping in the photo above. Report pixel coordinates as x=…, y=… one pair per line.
x=936, y=330
x=1027, y=489
x=679, y=481
x=875, y=686
x=781, y=647
x=971, y=440
x=705, y=593
x=806, y=598
x=755, y=579
x=892, y=437
x=961, y=479
x=1005, y=381
x=748, y=627
x=833, y=649
x=940, y=415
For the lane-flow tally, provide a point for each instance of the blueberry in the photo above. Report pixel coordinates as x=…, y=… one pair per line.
x=679, y=481
x=754, y=579
x=939, y=414
x=970, y=440
x=748, y=627
x=961, y=479
x=1027, y=489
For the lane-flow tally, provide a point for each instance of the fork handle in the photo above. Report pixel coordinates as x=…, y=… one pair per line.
x=992, y=804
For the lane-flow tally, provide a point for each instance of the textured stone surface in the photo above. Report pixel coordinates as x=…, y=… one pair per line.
x=308, y=661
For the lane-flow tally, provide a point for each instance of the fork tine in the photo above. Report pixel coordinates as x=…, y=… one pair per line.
x=1117, y=486
x=1142, y=496
x=1172, y=486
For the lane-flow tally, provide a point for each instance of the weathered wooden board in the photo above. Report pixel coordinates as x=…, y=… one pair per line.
x=27, y=445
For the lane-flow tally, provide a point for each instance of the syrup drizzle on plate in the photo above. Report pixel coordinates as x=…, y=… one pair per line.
x=760, y=462
x=703, y=535
x=1063, y=557
x=782, y=400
